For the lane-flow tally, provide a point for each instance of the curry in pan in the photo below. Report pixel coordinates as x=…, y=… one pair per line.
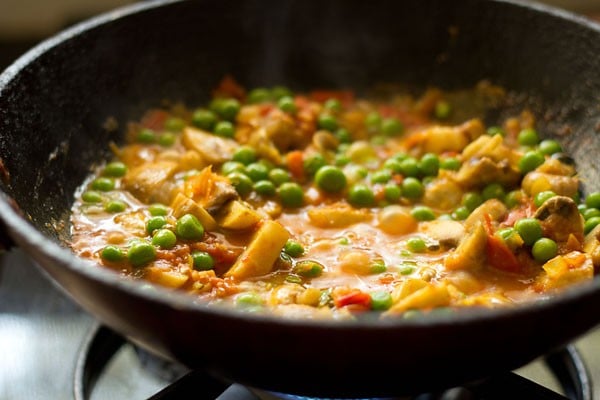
x=326, y=205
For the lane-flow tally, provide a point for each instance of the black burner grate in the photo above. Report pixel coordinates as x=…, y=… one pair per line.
x=102, y=344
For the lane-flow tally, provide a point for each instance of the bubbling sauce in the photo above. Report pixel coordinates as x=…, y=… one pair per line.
x=324, y=205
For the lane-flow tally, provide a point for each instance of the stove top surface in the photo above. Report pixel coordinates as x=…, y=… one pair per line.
x=42, y=332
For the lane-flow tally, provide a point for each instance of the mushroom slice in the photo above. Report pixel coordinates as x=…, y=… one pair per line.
x=560, y=218
x=212, y=148
x=151, y=182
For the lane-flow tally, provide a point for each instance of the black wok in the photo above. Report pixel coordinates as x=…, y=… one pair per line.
x=55, y=102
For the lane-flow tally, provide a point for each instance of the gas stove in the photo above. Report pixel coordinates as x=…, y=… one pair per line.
x=51, y=349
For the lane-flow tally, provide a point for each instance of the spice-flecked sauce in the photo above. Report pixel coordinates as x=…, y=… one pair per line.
x=323, y=205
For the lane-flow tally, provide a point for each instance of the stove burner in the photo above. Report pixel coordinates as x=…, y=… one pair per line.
x=102, y=344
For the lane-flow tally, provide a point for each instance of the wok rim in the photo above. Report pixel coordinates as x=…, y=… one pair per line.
x=37, y=246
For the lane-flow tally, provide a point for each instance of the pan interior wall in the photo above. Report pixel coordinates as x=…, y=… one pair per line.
x=58, y=112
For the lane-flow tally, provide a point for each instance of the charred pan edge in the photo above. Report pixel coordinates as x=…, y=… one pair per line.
x=41, y=248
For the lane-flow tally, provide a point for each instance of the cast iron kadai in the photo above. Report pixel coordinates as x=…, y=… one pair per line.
x=55, y=102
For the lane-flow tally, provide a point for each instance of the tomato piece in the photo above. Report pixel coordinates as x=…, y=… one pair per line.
x=344, y=96
x=228, y=87
x=154, y=119
x=526, y=210
x=500, y=256
x=295, y=163
x=354, y=298
x=265, y=109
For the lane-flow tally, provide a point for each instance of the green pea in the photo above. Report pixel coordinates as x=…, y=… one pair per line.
x=496, y=130
x=590, y=213
x=202, y=261
x=204, y=119
x=590, y=224
x=549, y=147
x=381, y=300
x=287, y=105
x=141, y=253
x=378, y=267
x=215, y=104
x=248, y=300
x=279, y=176
x=505, y=233
x=103, y=184
x=258, y=95
x=225, y=129
x=541, y=197
x=442, y=109
x=381, y=176
x=167, y=139
x=416, y=244
x=391, y=127
x=158, y=209
x=91, y=196
x=330, y=179
x=115, y=206
x=530, y=161
x=513, y=198
x=164, y=238
x=422, y=213
x=146, y=136
x=257, y=172
x=112, y=254
x=412, y=188
x=308, y=268
x=450, y=163
x=461, y=213
x=472, y=200
x=328, y=122
x=528, y=137
x=593, y=200
x=188, y=227
x=291, y=194
x=174, y=124
x=313, y=163
x=293, y=248
x=393, y=165
x=333, y=105
x=373, y=122
x=544, y=249
x=392, y=192
x=115, y=169
x=228, y=108
x=529, y=229
x=280, y=91
x=241, y=182
x=232, y=166
x=155, y=223
x=265, y=188
x=493, y=191
x=343, y=135
x=409, y=167
x=361, y=195
x=356, y=172
x=406, y=269
x=429, y=164
x=378, y=140
x=267, y=163
x=400, y=156
x=341, y=159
